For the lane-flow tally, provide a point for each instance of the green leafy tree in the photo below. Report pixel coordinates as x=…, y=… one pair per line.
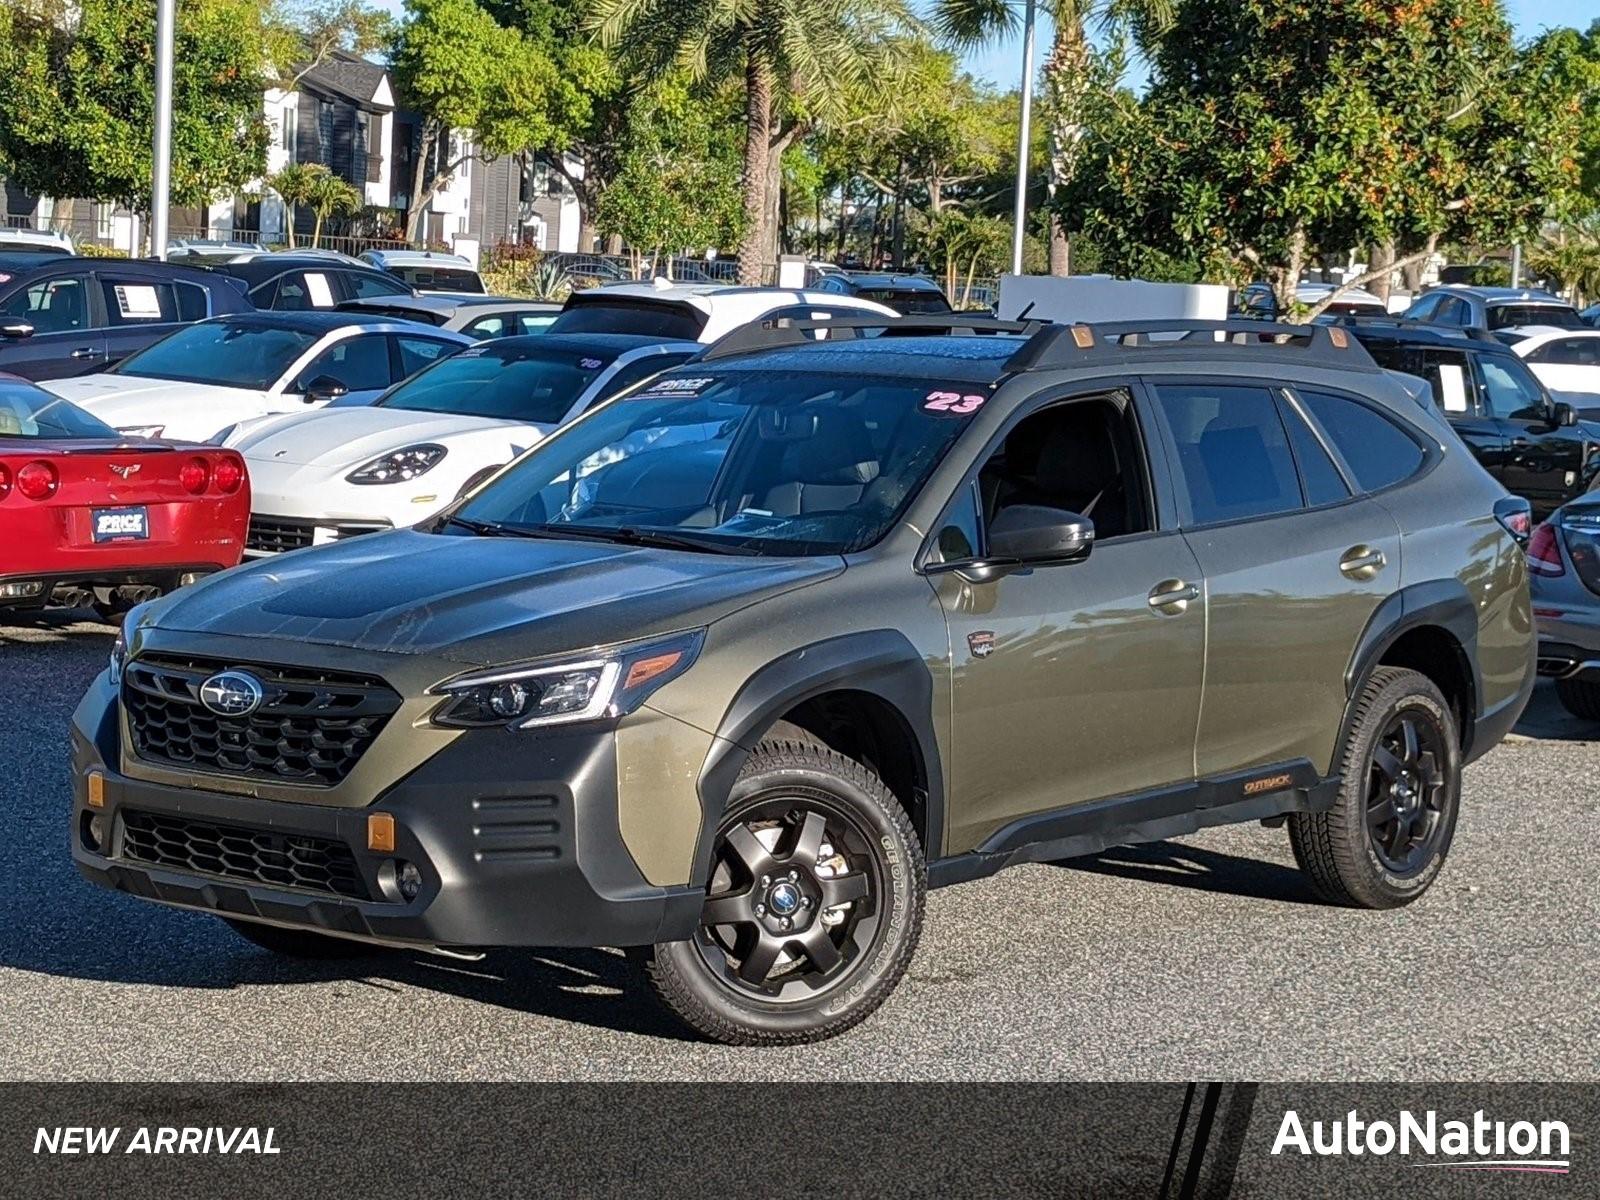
x=328, y=195
x=295, y=185
x=798, y=60
x=1072, y=73
x=466, y=74
x=1277, y=130
x=77, y=98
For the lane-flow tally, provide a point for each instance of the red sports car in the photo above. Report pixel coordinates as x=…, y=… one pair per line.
x=90, y=517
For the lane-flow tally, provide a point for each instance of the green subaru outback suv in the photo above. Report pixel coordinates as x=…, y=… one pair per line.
x=735, y=667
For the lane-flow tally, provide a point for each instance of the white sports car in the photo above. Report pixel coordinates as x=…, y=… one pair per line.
x=207, y=377
x=317, y=477
x=1565, y=360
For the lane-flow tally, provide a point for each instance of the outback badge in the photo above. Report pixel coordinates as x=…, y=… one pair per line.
x=981, y=643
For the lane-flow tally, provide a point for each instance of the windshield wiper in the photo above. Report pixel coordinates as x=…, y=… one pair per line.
x=632, y=535
x=490, y=529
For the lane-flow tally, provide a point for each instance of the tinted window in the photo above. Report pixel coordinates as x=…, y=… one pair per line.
x=1453, y=312
x=226, y=353
x=621, y=314
x=30, y=412
x=1321, y=479
x=362, y=284
x=1509, y=389
x=1424, y=309
x=510, y=383
x=193, y=303
x=637, y=371
x=907, y=300
x=137, y=301
x=1232, y=450
x=492, y=326
x=52, y=305
x=1569, y=352
x=361, y=363
x=441, y=279
x=532, y=322
x=1503, y=316
x=1378, y=452
x=419, y=352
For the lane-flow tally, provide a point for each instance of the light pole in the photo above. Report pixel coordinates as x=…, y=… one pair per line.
x=161, y=176
x=1024, y=139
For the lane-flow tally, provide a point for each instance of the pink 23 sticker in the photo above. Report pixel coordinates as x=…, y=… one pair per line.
x=953, y=403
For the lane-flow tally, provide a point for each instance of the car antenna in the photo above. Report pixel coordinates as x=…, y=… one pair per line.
x=1023, y=315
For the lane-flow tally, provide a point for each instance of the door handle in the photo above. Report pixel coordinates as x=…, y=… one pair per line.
x=1172, y=596
x=1520, y=443
x=1362, y=562
x=86, y=352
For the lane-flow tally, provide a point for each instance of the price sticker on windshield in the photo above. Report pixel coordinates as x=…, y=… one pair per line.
x=680, y=386
x=953, y=404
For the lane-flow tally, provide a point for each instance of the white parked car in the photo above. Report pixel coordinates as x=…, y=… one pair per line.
x=320, y=476
x=38, y=241
x=207, y=377
x=1565, y=360
x=428, y=270
x=700, y=312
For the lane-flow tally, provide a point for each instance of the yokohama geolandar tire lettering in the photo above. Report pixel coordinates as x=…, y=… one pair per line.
x=1386, y=837
x=862, y=822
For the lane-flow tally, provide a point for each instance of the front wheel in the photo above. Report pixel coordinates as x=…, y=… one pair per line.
x=814, y=906
x=1385, y=839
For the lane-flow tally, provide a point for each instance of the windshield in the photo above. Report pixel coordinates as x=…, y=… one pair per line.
x=29, y=412
x=440, y=279
x=508, y=383
x=1504, y=316
x=779, y=463
x=225, y=353
x=623, y=314
x=907, y=301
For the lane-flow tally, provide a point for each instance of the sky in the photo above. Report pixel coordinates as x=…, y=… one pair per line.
x=1001, y=63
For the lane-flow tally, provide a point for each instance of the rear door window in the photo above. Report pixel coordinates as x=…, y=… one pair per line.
x=1318, y=475
x=1378, y=452
x=1509, y=389
x=1233, y=452
x=135, y=301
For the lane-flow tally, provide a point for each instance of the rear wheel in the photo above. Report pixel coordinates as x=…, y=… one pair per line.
x=814, y=906
x=1386, y=837
x=299, y=943
x=1579, y=697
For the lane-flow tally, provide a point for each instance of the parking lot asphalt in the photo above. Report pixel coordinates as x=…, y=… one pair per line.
x=1200, y=958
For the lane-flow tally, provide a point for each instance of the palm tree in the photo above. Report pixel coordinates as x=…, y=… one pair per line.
x=1067, y=70
x=815, y=49
x=329, y=195
x=294, y=185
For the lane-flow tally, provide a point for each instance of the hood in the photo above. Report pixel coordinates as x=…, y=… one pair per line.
x=479, y=601
x=110, y=397
x=337, y=437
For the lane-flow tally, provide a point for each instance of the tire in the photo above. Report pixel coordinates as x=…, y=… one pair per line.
x=1357, y=852
x=1580, y=698
x=299, y=943
x=715, y=981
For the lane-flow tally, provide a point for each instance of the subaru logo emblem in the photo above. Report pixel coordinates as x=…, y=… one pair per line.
x=785, y=898
x=232, y=693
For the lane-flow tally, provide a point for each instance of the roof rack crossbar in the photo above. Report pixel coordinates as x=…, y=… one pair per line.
x=1095, y=343
x=776, y=333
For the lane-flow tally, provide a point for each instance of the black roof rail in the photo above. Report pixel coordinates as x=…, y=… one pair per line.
x=775, y=333
x=1127, y=342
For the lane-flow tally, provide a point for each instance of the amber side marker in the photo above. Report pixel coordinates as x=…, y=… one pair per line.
x=1338, y=338
x=97, y=790
x=380, y=832
x=1083, y=336
x=647, y=669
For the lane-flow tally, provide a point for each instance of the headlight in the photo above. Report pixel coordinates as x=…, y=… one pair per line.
x=604, y=684
x=398, y=466
x=142, y=431
x=119, y=647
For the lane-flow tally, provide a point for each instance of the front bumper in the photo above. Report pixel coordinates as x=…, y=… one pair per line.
x=516, y=839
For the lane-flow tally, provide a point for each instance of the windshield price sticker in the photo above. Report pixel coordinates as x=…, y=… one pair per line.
x=588, y=364
x=138, y=301
x=691, y=386
x=953, y=404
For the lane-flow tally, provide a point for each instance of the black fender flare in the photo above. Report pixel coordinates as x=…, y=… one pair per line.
x=1439, y=603
x=880, y=662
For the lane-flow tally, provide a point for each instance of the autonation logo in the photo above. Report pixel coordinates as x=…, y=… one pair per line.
x=1476, y=1145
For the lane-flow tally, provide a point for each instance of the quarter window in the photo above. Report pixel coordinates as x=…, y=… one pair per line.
x=1233, y=452
x=416, y=353
x=1378, y=452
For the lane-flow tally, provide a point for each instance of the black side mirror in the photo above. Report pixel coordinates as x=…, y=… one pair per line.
x=1564, y=414
x=1028, y=533
x=15, y=329
x=323, y=389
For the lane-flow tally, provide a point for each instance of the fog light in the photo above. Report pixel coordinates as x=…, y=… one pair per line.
x=409, y=878
x=94, y=832
x=97, y=790
x=21, y=591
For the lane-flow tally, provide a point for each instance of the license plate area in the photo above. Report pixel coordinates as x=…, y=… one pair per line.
x=120, y=524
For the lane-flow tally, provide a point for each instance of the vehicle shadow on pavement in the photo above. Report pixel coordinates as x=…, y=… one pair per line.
x=1545, y=720
x=1179, y=864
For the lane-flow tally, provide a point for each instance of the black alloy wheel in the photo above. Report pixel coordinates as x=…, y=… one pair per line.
x=1407, y=796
